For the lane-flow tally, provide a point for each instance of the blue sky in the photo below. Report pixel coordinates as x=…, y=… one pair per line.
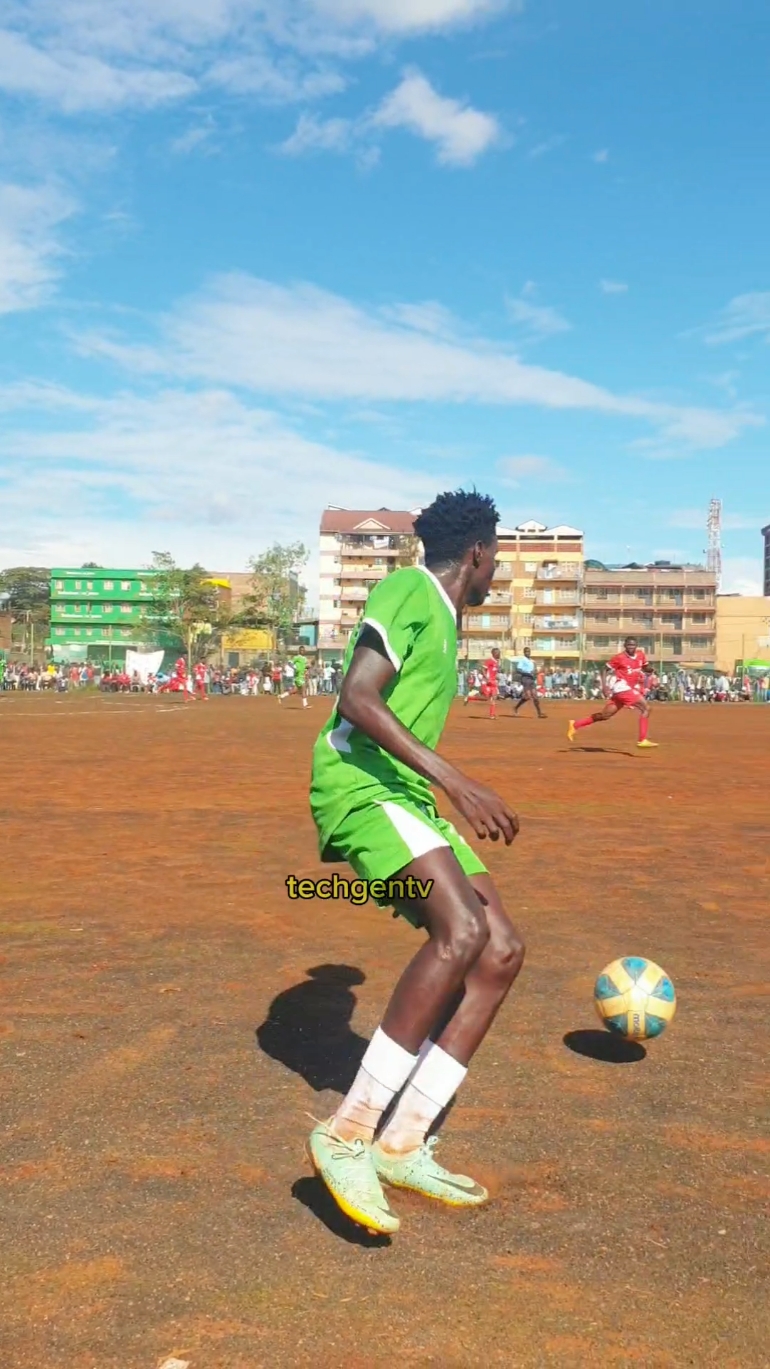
x=257, y=257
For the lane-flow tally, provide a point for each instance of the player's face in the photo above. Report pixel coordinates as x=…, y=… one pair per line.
x=630, y=645
x=483, y=571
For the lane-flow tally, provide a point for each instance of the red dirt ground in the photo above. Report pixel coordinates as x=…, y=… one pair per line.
x=155, y=1197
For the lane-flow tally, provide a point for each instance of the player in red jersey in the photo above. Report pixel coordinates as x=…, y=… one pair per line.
x=199, y=675
x=178, y=682
x=624, y=686
x=490, y=685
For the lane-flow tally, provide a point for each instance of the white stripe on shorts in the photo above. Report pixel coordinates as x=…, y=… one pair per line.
x=419, y=837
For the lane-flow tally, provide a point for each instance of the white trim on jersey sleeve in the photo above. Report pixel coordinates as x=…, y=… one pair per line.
x=394, y=659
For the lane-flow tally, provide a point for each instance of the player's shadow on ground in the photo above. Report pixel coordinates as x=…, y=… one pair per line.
x=601, y=1045
x=601, y=750
x=308, y=1028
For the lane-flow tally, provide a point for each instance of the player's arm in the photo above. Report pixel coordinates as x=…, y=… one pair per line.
x=361, y=703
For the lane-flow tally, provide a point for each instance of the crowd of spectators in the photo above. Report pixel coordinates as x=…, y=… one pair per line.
x=276, y=677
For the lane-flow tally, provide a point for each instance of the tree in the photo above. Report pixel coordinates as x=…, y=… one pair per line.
x=29, y=591
x=409, y=547
x=276, y=597
x=185, y=605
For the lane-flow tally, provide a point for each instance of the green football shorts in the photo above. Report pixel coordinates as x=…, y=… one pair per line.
x=383, y=837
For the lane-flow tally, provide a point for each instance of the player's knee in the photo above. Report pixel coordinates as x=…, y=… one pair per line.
x=467, y=937
x=505, y=954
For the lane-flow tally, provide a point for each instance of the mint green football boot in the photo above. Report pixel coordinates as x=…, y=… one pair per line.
x=420, y=1172
x=347, y=1169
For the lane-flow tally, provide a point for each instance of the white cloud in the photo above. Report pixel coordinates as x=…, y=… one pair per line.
x=78, y=81
x=745, y=316
x=29, y=247
x=85, y=55
x=461, y=134
x=411, y=16
x=613, y=287
x=205, y=475
x=313, y=134
x=199, y=137
x=548, y=145
x=742, y=575
x=600, y=157
x=518, y=470
x=537, y=321
x=302, y=341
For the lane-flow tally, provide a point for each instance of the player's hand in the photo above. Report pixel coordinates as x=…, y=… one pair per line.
x=487, y=813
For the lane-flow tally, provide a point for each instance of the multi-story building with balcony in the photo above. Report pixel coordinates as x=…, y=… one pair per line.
x=356, y=549
x=97, y=613
x=671, y=610
x=535, y=599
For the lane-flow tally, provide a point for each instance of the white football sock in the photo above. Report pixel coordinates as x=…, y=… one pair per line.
x=385, y=1068
x=432, y=1086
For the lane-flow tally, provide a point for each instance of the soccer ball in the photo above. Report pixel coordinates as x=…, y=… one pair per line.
x=635, y=998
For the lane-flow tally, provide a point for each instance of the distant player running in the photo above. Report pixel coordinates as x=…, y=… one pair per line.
x=300, y=681
x=490, y=685
x=200, y=676
x=373, y=766
x=178, y=684
x=525, y=669
x=625, y=688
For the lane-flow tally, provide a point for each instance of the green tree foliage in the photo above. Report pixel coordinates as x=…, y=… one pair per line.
x=276, y=597
x=29, y=591
x=29, y=588
x=185, y=607
x=409, y=548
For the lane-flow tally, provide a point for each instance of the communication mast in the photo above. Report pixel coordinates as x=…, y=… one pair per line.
x=714, y=555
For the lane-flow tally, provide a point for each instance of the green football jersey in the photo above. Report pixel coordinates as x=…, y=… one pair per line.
x=417, y=622
x=300, y=668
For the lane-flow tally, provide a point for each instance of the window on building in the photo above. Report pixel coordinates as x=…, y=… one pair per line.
x=60, y=584
x=125, y=585
x=109, y=584
x=78, y=584
x=530, y=594
x=125, y=608
x=699, y=643
x=530, y=567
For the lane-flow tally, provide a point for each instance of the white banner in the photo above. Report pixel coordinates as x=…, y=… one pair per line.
x=145, y=663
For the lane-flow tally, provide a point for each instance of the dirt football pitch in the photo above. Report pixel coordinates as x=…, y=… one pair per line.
x=171, y=1021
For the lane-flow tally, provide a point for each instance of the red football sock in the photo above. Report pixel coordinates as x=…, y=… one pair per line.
x=584, y=722
x=492, y=713
x=644, y=727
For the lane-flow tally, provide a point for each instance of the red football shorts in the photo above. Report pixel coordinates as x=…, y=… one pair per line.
x=488, y=691
x=627, y=698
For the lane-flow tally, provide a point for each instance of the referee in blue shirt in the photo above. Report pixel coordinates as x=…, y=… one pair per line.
x=525, y=670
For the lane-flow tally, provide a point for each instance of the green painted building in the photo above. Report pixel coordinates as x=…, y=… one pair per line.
x=96, y=613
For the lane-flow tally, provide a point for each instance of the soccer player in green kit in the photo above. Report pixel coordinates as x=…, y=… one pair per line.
x=300, y=680
x=373, y=767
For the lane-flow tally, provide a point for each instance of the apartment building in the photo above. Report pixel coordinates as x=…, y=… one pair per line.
x=743, y=630
x=535, y=598
x=357, y=548
x=671, y=610
x=97, y=612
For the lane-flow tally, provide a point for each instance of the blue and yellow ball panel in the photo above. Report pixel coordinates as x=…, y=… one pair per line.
x=635, y=998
